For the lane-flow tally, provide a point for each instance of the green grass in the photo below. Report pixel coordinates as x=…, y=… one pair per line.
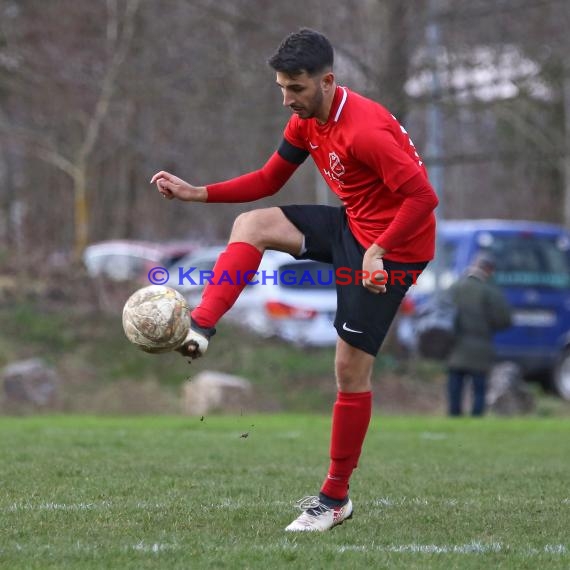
x=164, y=492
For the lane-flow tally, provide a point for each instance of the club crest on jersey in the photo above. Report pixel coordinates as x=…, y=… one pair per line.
x=336, y=166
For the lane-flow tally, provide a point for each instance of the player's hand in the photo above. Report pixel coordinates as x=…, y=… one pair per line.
x=171, y=187
x=375, y=277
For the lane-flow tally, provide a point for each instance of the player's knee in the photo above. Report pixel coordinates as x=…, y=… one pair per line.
x=255, y=226
x=241, y=223
x=349, y=378
x=342, y=368
x=246, y=226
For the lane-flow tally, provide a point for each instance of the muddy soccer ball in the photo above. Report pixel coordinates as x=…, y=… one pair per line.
x=156, y=319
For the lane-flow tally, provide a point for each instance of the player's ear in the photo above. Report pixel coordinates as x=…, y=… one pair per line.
x=327, y=81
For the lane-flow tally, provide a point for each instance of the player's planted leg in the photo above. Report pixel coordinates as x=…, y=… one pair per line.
x=351, y=417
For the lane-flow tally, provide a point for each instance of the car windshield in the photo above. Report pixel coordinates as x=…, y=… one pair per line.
x=524, y=259
x=529, y=259
x=312, y=275
x=442, y=265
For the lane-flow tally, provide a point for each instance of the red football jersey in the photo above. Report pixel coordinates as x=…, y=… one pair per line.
x=365, y=156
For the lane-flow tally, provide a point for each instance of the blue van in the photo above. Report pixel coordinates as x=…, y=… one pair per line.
x=533, y=269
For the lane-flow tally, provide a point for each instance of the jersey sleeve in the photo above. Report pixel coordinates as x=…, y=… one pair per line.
x=384, y=154
x=292, y=153
x=419, y=203
x=266, y=181
x=293, y=133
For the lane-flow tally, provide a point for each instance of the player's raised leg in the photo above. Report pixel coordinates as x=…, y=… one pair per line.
x=253, y=232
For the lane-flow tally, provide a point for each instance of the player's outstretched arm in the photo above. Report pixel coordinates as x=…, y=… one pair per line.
x=171, y=187
x=265, y=181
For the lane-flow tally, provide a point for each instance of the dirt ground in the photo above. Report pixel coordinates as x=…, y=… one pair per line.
x=400, y=394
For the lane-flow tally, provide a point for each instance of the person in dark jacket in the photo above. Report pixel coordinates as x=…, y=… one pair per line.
x=482, y=310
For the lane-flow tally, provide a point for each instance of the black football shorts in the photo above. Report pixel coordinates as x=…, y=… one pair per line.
x=362, y=318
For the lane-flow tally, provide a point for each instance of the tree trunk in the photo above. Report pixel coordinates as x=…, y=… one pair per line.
x=81, y=211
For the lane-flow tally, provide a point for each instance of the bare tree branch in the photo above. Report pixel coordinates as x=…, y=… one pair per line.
x=39, y=145
x=110, y=80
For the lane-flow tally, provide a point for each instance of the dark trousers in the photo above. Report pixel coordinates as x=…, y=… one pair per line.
x=456, y=381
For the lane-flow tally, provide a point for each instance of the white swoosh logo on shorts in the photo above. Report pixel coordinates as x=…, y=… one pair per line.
x=345, y=328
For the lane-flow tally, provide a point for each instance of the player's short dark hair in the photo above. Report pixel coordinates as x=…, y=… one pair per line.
x=305, y=50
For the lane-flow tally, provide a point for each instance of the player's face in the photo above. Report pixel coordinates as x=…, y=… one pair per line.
x=302, y=93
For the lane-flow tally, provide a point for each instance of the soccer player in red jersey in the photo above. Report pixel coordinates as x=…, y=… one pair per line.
x=386, y=223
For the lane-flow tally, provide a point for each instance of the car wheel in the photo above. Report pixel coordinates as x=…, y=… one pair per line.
x=561, y=380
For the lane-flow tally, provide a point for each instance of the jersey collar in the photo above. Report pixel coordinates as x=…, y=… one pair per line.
x=337, y=106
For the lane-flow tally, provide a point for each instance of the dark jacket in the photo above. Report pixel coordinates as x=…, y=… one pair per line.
x=482, y=310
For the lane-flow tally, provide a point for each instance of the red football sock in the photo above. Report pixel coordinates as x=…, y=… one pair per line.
x=235, y=267
x=351, y=416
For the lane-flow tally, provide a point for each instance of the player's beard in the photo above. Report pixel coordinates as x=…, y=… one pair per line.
x=311, y=109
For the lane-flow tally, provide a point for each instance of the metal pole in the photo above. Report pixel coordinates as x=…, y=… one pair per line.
x=434, y=135
x=566, y=157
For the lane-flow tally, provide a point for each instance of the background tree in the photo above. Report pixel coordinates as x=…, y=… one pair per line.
x=96, y=96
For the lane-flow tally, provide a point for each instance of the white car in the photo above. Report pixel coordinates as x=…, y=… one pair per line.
x=189, y=273
x=123, y=260
x=291, y=299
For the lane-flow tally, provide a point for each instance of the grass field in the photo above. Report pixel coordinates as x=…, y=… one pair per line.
x=173, y=492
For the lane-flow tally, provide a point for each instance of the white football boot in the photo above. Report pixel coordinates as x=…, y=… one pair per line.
x=196, y=342
x=317, y=516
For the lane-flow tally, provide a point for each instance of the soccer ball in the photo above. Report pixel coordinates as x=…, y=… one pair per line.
x=156, y=319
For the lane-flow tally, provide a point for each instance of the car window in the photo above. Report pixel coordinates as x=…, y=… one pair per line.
x=442, y=267
x=311, y=275
x=528, y=259
x=199, y=261
x=200, y=265
x=171, y=259
x=94, y=262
